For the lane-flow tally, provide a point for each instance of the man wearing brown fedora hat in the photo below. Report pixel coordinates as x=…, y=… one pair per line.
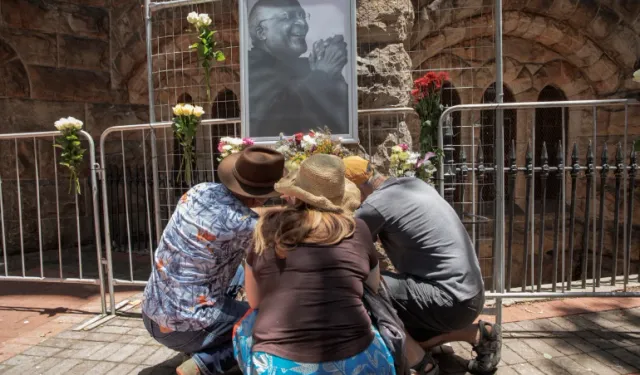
x=189, y=303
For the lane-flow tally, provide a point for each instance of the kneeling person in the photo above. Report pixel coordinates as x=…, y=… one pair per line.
x=189, y=303
x=438, y=292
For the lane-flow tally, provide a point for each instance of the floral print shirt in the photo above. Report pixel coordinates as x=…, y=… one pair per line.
x=198, y=255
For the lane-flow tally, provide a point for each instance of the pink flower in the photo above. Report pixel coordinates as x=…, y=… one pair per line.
x=220, y=146
x=403, y=146
x=247, y=142
x=427, y=156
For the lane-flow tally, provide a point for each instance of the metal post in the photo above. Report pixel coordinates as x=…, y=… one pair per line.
x=499, y=152
x=152, y=119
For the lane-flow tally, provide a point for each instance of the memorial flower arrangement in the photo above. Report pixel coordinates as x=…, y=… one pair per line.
x=206, y=45
x=229, y=145
x=300, y=146
x=405, y=163
x=72, y=151
x=427, y=94
x=185, y=125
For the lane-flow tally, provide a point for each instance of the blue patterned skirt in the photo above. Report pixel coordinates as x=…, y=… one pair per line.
x=376, y=359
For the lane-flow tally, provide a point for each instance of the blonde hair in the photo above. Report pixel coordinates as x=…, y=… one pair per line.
x=283, y=230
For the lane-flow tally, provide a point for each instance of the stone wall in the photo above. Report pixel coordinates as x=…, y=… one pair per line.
x=58, y=59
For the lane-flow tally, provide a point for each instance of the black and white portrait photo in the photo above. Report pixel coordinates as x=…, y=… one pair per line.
x=298, y=66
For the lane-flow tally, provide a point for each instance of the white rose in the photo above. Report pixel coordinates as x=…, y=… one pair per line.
x=198, y=111
x=308, y=141
x=178, y=110
x=413, y=158
x=225, y=140
x=204, y=19
x=60, y=124
x=227, y=147
x=193, y=18
x=75, y=123
x=187, y=109
x=236, y=141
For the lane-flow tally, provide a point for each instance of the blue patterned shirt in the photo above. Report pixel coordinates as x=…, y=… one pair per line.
x=199, y=252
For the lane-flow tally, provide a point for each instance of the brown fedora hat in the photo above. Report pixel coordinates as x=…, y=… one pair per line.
x=252, y=172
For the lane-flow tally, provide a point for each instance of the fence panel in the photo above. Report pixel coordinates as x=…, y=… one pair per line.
x=142, y=182
x=47, y=233
x=570, y=186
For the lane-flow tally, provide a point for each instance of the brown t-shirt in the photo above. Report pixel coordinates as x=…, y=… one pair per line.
x=311, y=306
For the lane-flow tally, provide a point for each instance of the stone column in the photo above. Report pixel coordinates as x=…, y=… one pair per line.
x=384, y=68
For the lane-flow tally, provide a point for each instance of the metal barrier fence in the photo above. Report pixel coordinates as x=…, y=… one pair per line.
x=140, y=188
x=32, y=187
x=567, y=202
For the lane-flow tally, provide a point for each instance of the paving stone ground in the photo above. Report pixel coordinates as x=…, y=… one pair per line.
x=604, y=343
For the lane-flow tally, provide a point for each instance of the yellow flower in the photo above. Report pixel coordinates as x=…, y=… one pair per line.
x=187, y=110
x=636, y=76
x=178, y=110
x=198, y=111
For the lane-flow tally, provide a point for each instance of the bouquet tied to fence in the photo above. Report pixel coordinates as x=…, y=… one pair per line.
x=229, y=145
x=427, y=95
x=72, y=151
x=206, y=45
x=300, y=146
x=405, y=163
x=185, y=125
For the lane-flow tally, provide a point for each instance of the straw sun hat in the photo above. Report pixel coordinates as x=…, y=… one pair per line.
x=320, y=182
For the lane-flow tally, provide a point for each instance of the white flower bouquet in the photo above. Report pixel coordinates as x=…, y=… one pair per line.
x=404, y=163
x=72, y=151
x=185, y=125
x=300, y=146
x=205, y=45
x=229, y=145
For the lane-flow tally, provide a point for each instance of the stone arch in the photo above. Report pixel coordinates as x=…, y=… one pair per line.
x=548, y=124
x=14, y=79
x=606, y=64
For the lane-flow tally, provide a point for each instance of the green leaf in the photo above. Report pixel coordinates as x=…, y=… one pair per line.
x=220, y=56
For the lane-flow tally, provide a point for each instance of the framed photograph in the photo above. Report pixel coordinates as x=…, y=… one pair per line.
x=298, y=68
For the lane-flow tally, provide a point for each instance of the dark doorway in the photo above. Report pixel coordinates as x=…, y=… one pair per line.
x=225, y=105
x=549, y=124
x=487, y=136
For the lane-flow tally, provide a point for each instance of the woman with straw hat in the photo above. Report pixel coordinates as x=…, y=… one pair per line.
x=304, y=282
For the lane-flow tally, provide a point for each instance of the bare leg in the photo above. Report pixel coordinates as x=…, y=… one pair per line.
x=470, y=334
x=415, y=352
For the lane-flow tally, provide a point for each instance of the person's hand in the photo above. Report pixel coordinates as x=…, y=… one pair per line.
x=329, y=56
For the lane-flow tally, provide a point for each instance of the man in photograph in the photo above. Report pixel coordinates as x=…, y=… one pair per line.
x=289, y=93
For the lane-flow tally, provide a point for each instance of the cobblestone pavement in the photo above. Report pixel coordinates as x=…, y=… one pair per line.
x=604, y=343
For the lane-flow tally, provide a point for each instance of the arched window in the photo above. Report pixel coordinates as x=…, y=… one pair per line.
x=549, y=130
x=487, y=135
x=225, y=105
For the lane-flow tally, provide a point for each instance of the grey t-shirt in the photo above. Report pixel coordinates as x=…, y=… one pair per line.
x=423, y=235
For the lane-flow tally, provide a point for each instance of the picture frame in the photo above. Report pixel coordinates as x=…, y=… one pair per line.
x=276, y=95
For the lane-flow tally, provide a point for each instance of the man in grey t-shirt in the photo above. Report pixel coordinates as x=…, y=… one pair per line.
x=438, y=291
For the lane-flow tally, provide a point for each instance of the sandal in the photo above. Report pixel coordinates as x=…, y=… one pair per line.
x=419, y=369
x=488, y=350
